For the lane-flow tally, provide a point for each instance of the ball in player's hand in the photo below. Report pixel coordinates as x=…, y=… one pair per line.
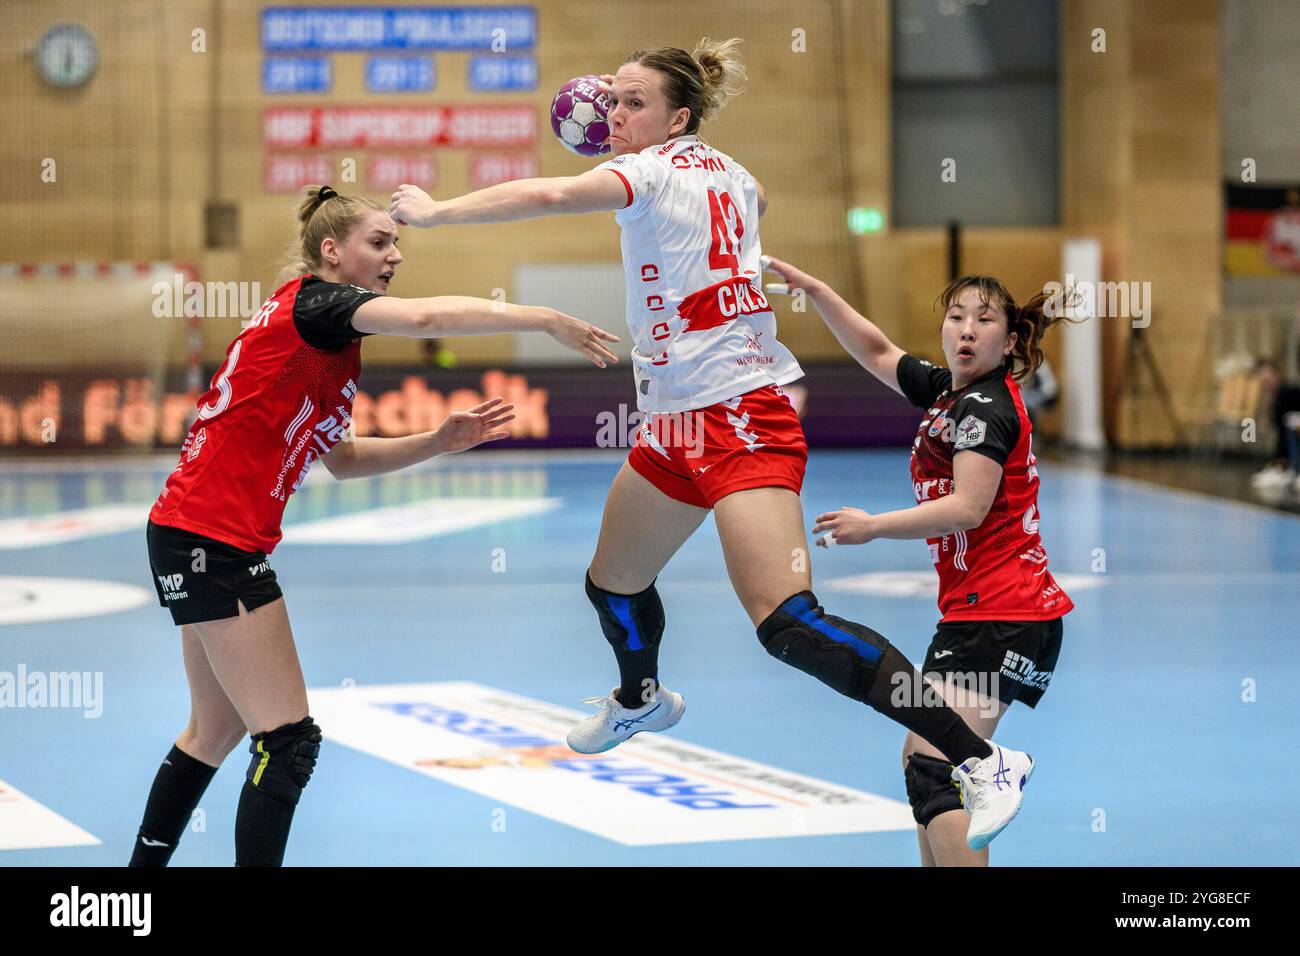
x=579, y=116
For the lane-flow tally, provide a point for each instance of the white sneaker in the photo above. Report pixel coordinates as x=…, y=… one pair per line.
x=615, y=723
x=1272, y=477
x=991, y=791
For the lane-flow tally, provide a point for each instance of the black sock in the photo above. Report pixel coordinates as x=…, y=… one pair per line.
x=176, y=790
x=636, y=648
x=261, y=828
x=929, y=718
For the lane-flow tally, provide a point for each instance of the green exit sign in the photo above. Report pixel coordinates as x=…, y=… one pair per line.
x=863, y=220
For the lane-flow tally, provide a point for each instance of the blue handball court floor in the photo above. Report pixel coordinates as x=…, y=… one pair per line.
x=447, y=643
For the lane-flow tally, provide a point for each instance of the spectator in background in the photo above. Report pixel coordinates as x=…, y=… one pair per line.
x=1284, y=410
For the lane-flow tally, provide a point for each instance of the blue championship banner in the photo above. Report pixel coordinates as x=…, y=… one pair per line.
x=400, y=74
x=491, y=73
x=336, y=29
x=297, y=74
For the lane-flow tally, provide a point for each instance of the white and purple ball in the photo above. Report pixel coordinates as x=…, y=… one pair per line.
x=579, y=116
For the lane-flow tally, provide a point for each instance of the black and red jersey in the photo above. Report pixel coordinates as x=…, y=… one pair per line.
x=997, y=571
x=282, y=398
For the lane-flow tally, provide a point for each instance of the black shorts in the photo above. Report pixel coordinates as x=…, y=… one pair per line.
x=201, y=579
x=1009, y=660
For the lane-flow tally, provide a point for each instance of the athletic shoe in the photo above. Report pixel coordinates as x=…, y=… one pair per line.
x=991, y=791
x=1272, y=477
x=614, y=723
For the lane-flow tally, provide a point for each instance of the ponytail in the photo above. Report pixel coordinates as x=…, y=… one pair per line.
x=1030, y=321
x=702, y=81
x=322, y=213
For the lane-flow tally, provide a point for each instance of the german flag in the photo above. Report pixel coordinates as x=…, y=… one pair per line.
x=1262, y=230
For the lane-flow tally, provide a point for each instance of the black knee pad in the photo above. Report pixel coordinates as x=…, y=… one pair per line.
x=630, y=622
x=283, y=760
x=839, y=653
x=930, y=788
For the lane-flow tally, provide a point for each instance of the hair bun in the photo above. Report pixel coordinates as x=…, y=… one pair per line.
x=326, y=192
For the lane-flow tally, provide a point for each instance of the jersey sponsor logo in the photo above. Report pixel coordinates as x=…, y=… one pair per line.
x=652, y=790
x=939, y=486
x=196, y=446
x=1021, y=669
x=979, y=398
x=969, y=433
x=290, y=460
x=171, y=583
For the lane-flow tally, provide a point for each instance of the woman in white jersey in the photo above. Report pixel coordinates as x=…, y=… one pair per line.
x=720, y=433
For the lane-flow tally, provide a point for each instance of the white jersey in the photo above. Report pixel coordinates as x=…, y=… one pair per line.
x=702, y=330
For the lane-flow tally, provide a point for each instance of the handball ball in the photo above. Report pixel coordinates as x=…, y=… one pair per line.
x=578, y=116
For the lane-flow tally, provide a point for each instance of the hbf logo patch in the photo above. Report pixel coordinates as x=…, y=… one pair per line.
x=969, y=433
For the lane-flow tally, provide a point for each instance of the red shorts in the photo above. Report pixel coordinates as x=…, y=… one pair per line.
x=700, y=457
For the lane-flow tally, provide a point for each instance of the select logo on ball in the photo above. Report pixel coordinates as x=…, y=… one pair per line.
x=579, y=116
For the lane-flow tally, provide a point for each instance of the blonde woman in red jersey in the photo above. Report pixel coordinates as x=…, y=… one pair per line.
x=976, y=485
x=283, y=398
x=706, y=348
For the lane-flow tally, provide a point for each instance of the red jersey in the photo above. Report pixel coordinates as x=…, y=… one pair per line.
x=282, y=398
x=998, y=571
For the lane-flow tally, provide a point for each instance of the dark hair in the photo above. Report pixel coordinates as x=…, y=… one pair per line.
x=1029, y=321
x=702, y=81
x=332, y=215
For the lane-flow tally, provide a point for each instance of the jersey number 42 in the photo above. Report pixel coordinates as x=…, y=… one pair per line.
x=725, y=228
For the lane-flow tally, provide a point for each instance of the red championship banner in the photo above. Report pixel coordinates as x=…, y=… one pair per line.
x=389, y=170
x=359, y=127
x=488, y=169
x=284, y=174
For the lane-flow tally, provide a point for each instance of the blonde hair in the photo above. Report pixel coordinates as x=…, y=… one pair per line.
x=334, y=217
x=702, y=81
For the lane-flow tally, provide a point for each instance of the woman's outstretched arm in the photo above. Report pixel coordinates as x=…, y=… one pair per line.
x=593, y=191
